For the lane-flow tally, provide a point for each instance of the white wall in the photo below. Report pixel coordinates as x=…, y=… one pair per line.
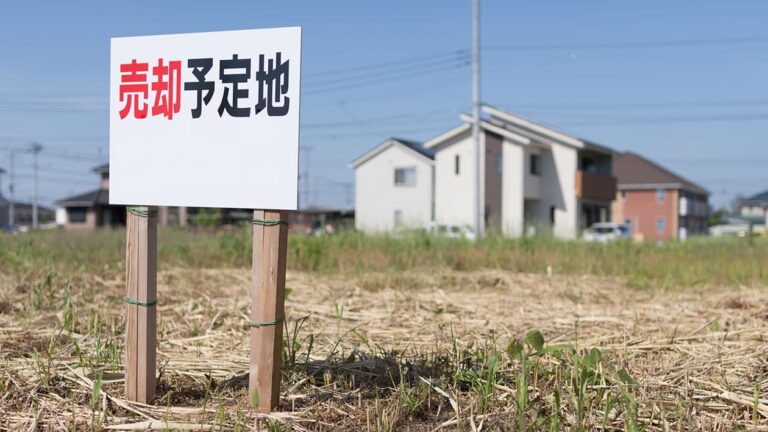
x=557, y=185
x=747, y=210
x=512, y=190
x=565, y=160
x=61, y=216
x=532, y=182
x=377, y=198
x=455, y=194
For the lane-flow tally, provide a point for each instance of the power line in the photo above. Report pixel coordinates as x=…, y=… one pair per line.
x=632, y=44
x=385, y=72
x=369, y=133
x=73, y=156
x=58, y=170
x=671, y=119
x=75, y=177
x=56, y=179
x=390, y=78
x=633, y=105
x=718, y=161
x=454, y=53
x=398, y=118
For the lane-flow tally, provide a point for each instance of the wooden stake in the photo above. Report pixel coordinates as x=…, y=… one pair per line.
x=270, y=244
x=141, y=318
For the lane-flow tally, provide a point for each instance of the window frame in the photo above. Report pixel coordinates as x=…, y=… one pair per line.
x=404, y=170
x=398, y=218
x=457, y=164
x=72, y=210
x=534, y=164
x=661, y=222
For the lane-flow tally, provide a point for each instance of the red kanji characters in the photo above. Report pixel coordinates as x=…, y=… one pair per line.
x=133, y=84
x=167, y=91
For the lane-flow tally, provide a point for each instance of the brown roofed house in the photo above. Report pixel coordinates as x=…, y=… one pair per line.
x=91, y=210
x=655, y=203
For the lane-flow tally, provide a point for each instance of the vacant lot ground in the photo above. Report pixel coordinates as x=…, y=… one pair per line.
x=409, y=349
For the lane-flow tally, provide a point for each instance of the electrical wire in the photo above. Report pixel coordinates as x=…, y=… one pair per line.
x=674, y=43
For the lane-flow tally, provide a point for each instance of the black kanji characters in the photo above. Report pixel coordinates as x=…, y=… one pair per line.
x=275, y=78
x=200, y=67
x=234, y=71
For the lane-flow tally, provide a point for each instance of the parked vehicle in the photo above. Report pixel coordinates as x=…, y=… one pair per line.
x=453, y=231
x=605, y=232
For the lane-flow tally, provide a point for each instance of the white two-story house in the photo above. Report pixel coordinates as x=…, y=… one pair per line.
x=394, y=187
x=533, y=178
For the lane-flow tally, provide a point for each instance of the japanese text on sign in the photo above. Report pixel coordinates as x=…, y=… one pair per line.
x=162, y=87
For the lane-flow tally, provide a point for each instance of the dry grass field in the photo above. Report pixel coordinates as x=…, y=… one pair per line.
x=395, y=335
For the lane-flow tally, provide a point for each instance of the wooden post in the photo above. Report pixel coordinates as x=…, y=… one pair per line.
x=270, y=244
x=140, y=308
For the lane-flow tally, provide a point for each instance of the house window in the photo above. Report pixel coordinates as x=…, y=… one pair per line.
x=499, y=163
x=77, y=214
x=552, y=214
x=405, y=176
x=456, y=164
x=535, y=165
x=623, y=195
x=660, y=225
x=398, y=218
x=661, y=195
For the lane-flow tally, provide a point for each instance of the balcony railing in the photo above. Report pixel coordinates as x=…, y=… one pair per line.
x=595, y=186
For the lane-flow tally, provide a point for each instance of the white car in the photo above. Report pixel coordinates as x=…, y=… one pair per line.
x=453, y=231
x=605, y=232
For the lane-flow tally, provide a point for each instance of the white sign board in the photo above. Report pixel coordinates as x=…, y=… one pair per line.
x=206, y=119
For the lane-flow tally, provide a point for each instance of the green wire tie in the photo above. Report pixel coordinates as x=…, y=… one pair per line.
x=139, y=303
x=269, y=222
x=266, y=323
x=141, y=213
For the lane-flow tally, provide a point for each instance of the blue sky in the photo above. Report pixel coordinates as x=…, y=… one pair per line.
x=691, y=95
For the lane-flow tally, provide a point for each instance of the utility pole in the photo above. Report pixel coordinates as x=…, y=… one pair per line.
x=11, y=186
x=305, y=150
x=348, y=193
x=476, y=115
x=36, y=147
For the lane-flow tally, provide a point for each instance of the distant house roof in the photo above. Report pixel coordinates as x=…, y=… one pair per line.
x=466, y=127
x=591, y=145
x=540, y=130
x=636, y=172
x=88, y=199
x=518, y=129
x=759, y=198
x=25, y=206
x=101, y=169
x=413, y=146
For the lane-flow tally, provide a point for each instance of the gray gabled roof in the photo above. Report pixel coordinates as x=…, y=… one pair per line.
x=101, y=169
x=761, y=197
x=414, y=146
x=87, y=199
x=417, y=147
